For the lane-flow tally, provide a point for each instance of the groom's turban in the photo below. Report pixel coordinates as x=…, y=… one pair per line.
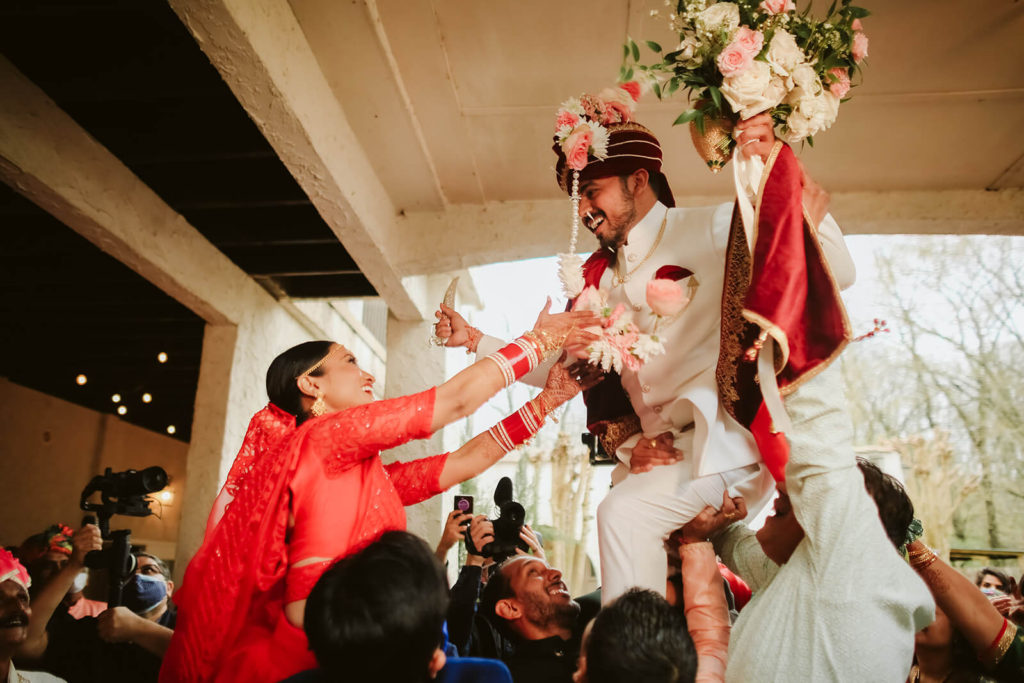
x=630, y=147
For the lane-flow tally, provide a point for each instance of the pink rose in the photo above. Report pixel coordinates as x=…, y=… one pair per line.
x=860, y=46
x=777, y=6
x=633, y=88
x=739, y=54
x=615, y=112
x=750, y=41
x=856, y=25
x=576, y=146
x=665, y=297
x=566, y=118
x=841, y=85
x=733, y=60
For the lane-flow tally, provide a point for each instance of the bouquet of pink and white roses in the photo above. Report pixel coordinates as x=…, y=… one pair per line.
x=622, y=344
x=741, y=58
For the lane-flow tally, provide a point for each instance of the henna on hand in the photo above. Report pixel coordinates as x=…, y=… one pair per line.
x=565, y=382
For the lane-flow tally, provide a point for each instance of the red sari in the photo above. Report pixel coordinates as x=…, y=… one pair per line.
x=328, y=476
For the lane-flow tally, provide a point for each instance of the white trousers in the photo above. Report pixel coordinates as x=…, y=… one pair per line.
x=642, y=510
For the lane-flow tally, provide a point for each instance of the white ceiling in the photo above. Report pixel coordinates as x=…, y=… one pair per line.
x=453, y=100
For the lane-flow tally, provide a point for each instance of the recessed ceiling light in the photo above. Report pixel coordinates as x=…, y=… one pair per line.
x=161, y=357
x=171, y=429
x=146, y=398
x=116, y=398
x=121, y=410
x=81, y=379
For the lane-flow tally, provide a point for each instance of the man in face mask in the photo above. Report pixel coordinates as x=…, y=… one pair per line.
x=147, y=616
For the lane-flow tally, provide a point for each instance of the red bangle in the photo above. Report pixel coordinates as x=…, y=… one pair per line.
x=518, y=358
x=997, y=650
x=517, y=428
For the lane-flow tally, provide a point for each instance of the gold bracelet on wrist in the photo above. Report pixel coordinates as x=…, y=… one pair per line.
x=547, y=343
x=921, y=561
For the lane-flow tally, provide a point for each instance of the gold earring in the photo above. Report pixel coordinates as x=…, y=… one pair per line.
x=319, y=406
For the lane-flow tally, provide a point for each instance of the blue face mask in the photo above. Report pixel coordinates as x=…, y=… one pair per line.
x=142, y=593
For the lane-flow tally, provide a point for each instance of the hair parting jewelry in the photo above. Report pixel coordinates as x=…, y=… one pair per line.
x=319, y=364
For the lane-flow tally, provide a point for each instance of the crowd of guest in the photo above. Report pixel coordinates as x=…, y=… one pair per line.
x=386, y=612
x=306, y=573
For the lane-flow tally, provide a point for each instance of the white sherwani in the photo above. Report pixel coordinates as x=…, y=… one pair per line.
x=677, y=392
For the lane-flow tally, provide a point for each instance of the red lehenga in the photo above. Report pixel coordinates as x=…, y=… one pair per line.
x=328, y=475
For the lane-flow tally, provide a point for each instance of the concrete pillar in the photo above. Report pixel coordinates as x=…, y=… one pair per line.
x=415, y=365
x=207, y=447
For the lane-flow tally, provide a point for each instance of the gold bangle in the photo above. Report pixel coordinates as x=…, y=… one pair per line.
x=920, y=566
x=545, y=341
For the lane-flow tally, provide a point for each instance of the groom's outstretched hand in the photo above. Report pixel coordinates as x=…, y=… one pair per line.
x=649, y=453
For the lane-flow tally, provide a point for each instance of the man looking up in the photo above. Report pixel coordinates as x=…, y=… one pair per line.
x=529, y=603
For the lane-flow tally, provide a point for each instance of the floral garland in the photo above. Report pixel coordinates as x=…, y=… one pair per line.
x=742, y=58
x=581, y=134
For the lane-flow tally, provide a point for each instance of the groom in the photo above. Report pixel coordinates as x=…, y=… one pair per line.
x=669, y=412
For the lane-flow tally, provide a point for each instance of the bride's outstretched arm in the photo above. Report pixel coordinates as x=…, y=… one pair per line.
x=468, y=390
x=487, y=448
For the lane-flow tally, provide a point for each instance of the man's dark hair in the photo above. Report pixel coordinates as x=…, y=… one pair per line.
x=654, y=180
x=640, y=638
x=377, y=615
x=894, y=506
x=160, y=564
x=1002, y=576
x=498, y=588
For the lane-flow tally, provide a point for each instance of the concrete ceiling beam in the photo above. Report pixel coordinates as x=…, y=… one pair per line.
x=51, y=160
x=476, y=235
x=261, y=52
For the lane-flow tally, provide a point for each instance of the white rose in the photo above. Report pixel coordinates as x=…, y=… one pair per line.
x=811, y=114
x=783, y=53
x=806, y=79
x=797, y=128
x=720, y=16
x=753, y=90
x=689, y=52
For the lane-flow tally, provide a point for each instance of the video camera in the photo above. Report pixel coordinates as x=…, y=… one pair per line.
x=121, y=493
x=507, y=526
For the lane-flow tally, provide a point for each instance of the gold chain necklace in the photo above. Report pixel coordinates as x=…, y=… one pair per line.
x=617, y=277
